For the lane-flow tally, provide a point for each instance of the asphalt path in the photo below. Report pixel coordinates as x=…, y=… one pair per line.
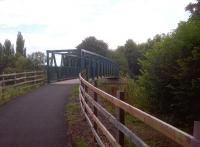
x=36, y=119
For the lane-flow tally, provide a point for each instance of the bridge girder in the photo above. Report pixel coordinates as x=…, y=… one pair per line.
x=74, y=61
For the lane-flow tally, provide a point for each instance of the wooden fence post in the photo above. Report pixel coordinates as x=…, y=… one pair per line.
x=114, y=91
x=15, y=78
x=35, y=77
x=95, y=112
x=121, y=118
x=196, y=134
x=1, y=90
x=86, y=89
x=25, y=78
x=3, y=84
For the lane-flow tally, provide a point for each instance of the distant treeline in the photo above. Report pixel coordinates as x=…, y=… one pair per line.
x=15, y=59
x=165, y=70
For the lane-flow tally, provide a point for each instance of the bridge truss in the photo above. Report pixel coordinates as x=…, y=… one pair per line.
x=67, y=64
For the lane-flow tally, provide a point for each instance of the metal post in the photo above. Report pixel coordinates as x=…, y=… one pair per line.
x=56, y=67
x=121, y=118
x=97, y=69
x=100, y=66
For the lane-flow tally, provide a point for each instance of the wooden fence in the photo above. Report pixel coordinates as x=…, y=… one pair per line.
x=20, y=79
x=169, y=131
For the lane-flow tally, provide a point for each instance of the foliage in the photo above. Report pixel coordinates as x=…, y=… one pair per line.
x=7, y=55
x=119, y=57
x=151, y=44
x=166, y=70
x=8, y=48
x=23, y=64
x=20, y=45
x=11, y=61
x=10, y=93
x=132, y=54
x=170, y=75
x=1, y=57
x=37, y=59
x=194, y=8
x=94, y=45
x=135, y=95
x=81, y=142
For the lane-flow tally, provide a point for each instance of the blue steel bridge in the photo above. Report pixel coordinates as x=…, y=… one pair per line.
x=67, y=64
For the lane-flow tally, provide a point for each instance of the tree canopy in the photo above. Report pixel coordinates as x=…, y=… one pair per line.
x=194, y=8
x=94, y=45
x=20, y=45
x=170, y=74
x=12, y=60
x=166, y=70
x=37, y=59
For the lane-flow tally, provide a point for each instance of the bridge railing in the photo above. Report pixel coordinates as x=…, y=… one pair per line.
x=168, y=130
x=97, y=65
x=13, y=80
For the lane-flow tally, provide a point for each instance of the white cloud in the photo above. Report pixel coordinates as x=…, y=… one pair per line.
x=68, y=22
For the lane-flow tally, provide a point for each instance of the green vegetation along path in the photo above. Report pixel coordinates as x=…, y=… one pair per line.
x=36, y=119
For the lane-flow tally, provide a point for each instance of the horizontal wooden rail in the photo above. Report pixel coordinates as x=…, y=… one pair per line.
x=99, y=141
x=110, y=138
x=18, y=79
x=13, y=74
x=168, y=130
x=134, y=138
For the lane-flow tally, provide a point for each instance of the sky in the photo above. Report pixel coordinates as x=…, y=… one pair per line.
x=63, y=24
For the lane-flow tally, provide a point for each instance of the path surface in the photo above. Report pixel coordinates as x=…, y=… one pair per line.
x=36, y=119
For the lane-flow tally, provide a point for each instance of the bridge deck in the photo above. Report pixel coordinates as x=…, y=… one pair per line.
x=36, y=119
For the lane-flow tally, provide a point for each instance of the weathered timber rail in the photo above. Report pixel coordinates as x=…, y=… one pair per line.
x=26, y=79
x=168, y=130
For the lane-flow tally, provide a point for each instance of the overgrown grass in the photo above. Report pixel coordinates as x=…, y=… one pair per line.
x=10, y=93
x=135, y=97
x=72, y=107
x=81, y=142
x=75, y=119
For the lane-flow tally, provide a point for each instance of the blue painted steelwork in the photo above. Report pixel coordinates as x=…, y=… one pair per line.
x=74, y=61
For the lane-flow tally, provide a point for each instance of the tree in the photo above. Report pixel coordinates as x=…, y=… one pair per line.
x=132, y=54
x=170, y=75
x=8, y=50
x=22, y=64
x=1, y=52
x=94, y=45
x=194, y=8
x=8, y=57
x=20, y=45
x=1, y=58
x=37, y=59
x=119, y=57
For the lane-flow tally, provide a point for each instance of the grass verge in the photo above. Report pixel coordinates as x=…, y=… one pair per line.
x=10, y=93
x=77, y=126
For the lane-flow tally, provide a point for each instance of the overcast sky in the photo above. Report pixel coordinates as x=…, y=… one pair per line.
x=63, y=24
